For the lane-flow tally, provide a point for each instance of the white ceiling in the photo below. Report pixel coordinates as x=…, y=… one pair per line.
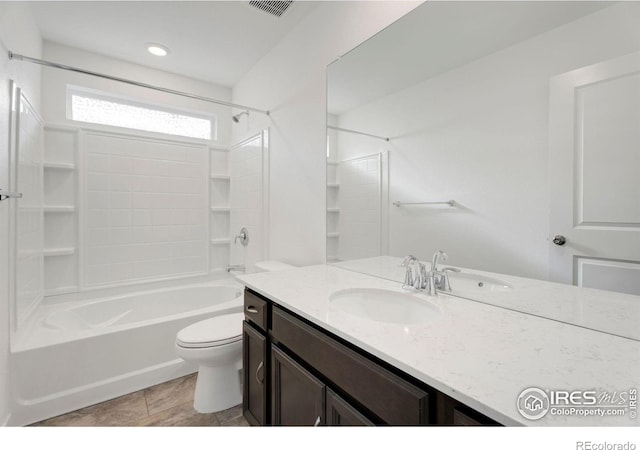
x=439, y=36
x=215, y=41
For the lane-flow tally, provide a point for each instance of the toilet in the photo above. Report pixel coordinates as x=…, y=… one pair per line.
x=215, y=346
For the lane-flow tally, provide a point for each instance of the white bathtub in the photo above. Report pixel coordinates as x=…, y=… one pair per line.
x=77, y=353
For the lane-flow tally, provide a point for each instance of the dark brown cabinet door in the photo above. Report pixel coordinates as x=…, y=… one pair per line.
x=254, y=363
x=385, y=395
x=452, y=412
x=297, y=397
x=341, y=413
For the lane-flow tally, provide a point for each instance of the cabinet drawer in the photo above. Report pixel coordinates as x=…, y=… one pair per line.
x=394, y=400
x=255, y=310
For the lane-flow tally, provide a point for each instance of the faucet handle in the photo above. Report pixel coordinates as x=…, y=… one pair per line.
x=424, y=277
x=438, y=255
x=408, y=260
x=243, y=236
x=445, y=285
x=408, y=279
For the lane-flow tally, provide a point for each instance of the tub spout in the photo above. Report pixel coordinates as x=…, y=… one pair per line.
x=236, y=268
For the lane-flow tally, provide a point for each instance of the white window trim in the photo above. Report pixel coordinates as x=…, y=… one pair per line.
x=110, y=97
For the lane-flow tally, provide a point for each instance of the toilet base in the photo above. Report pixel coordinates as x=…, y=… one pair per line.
x=217, y=388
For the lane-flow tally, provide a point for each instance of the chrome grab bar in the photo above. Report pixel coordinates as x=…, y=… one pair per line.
x=399, y=204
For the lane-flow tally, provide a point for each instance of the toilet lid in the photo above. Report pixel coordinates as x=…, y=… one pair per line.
x=212, y=332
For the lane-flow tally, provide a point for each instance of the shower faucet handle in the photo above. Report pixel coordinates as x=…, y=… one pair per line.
x=243, y=236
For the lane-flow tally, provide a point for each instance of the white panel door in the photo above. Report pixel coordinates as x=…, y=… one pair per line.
x=594, y=169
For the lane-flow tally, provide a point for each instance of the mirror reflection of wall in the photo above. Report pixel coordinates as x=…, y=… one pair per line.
x=463, y=91
x=357, y=194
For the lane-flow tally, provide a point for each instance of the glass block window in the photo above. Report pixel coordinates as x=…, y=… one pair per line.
x=91, y=107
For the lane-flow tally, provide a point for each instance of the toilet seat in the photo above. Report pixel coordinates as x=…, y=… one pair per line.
x=214, y=332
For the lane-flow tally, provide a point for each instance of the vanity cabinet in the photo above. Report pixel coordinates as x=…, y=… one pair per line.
x=254, y=363
x=255, y=360
x=298, y=397
x=452, y=412
x=379, y=393
x=297, y=373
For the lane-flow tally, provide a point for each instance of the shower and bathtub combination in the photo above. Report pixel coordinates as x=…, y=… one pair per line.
x=121, y=241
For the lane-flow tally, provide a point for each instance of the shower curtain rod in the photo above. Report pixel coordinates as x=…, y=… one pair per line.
x=42, y=62
x=357, y=132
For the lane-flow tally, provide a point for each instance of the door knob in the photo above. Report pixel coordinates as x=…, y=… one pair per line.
x=559, y=240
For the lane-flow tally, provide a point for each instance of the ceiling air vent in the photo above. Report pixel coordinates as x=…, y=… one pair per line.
x=275, y=8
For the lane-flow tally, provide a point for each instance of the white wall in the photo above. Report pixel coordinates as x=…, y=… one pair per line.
x=18, y=33
x=478, y=134
x=291, y=82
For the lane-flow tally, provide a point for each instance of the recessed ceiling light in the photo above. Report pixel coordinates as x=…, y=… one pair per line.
x=157, y=49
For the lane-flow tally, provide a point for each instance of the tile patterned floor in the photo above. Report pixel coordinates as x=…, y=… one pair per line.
x=168, y=404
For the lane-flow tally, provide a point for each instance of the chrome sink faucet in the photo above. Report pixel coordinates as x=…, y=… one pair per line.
x=439, y=279
x=416, y=275
x=434, y=261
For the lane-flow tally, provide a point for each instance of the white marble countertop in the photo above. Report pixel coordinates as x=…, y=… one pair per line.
x=611, y=312
x=479, y=354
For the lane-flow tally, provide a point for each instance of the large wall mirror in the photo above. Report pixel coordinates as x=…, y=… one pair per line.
x=488, y=129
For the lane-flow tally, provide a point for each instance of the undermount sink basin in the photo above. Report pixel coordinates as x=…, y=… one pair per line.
x=468, y=282
x=383, y=305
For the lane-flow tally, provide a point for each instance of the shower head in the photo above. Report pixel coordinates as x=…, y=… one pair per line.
x=236, y=118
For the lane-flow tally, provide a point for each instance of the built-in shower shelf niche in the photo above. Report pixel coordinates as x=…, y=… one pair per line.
x=333, y=211
x=59, y=165
x=220, y=209
x=219, y=193
x=333, y=195
x=61, y=221
x=59, y=209
x=63, y=251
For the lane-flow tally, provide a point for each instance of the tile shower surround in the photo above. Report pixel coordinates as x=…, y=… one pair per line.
x=146, y=209
x=359, y=198
x=122, y=208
